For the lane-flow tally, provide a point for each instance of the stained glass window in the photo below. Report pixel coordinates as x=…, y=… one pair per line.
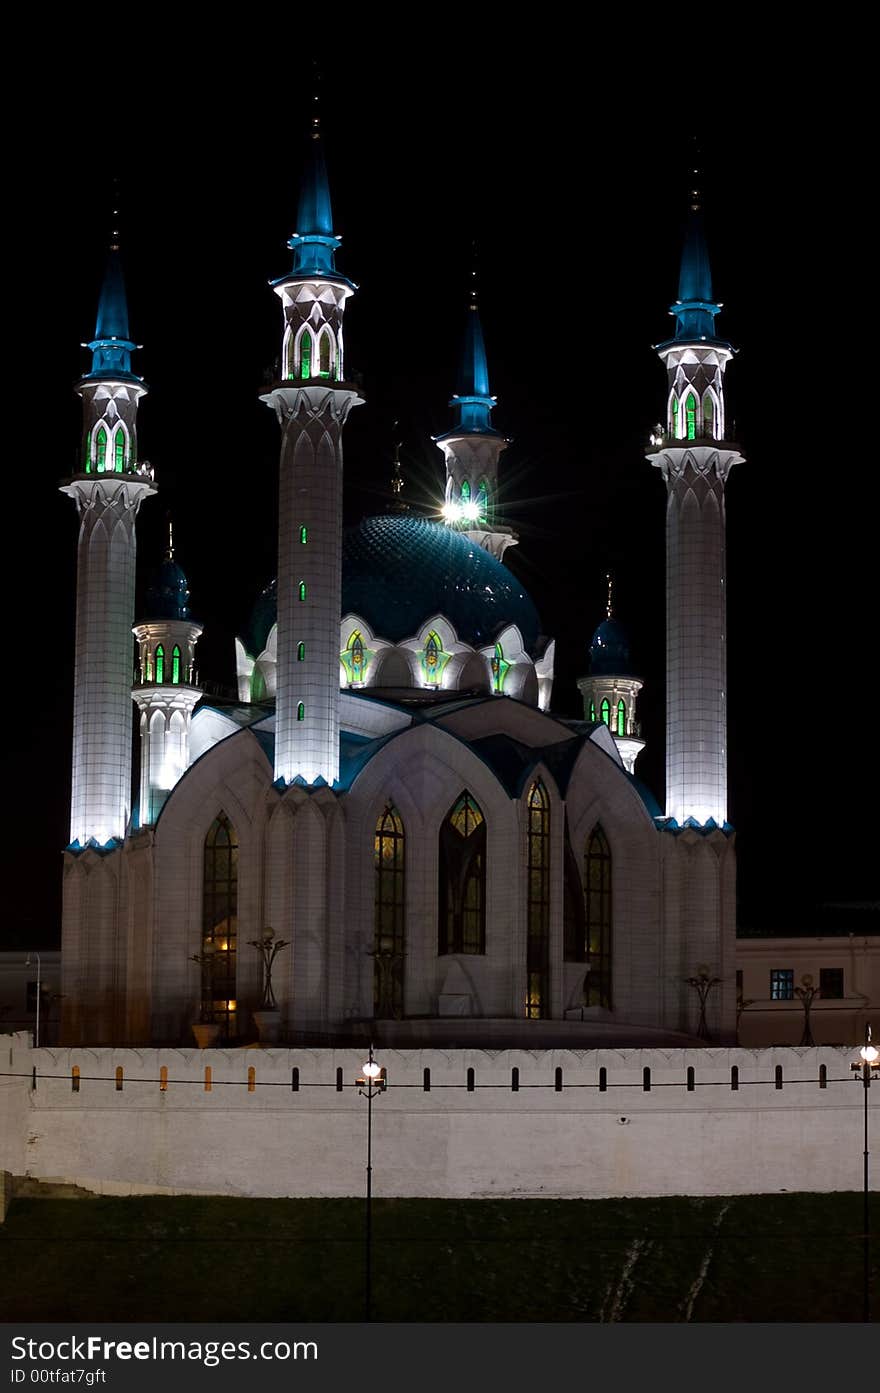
x=675, y=418
x=597, y=907
x=220, y=924
x=621, y=718
x=160, y=664
x=302, y=590
x=500, y=669
x=538, y=904
x=465, y=492
x=119, y=449
x=389, y=917
x=605, y=708
x=462, y=898
x=100, y=450
x=301, y=711
x=434, y=659
x=709, y=414
x=300, y=652
x=305, y=354
x=304, y=535
x=175, y=664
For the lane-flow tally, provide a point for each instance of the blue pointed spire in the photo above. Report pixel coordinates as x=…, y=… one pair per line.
x=473, y=402
x=696, y=307
x=112, y=346
x=313, y=244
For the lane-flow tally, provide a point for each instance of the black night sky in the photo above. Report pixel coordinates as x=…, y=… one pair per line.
x=574, y=188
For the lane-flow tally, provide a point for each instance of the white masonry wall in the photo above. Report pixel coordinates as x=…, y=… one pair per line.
x=101, y=793
x=774, y=1132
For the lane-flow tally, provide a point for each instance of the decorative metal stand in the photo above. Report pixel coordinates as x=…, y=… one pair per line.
x=702, y=985
x=268, y=948
x=805, y=994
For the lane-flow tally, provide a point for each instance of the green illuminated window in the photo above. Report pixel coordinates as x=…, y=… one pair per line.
x=675, y=418
x=119, y=450
x=305, y=354
x=538, y=905
x=597, y=908
x=592, y=711
x=462, y=903
x=465, y=492
x=89, y=453
x=605, y=709
x=709, y=415
x=100, y=450
x=389, y=915
x=300, y=652
x=302, y=590
x=621, y=718
x=290, y=356
x=301, y=712
x=304, y=535
x=690, y=408
x=175, y=664
x=483, y=500
x=160, y=663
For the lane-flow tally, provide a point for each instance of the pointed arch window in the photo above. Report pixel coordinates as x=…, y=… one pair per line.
x=483, y=501
x=220, y=925
x=709, y=416
x=538, y=904
x=675, y=435
x=160, y=664
x=302, y=590
x=325, y=354
x=621, y=718
x=592, y=710
x=465, y=491
x=690, y=408
x=304, y=535
x=88, y=458
x=119, y=449
x=500, y=668
x=389, y=915
x=100, y=450
x=301, y=711
x=434, y=659
x=305, y=354
x=573, y=918
x=289, y=352
x=605, y=709
x=462, y=897
x=175, y=665
x=597, y=910
x=300, y=652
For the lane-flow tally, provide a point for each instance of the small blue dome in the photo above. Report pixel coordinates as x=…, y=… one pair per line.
x=168, y=592
x=609, y=651
x=398, y=571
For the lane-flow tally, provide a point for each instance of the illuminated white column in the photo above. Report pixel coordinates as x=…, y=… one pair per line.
x=309, y=578
x=472, y=461
x=107, y=505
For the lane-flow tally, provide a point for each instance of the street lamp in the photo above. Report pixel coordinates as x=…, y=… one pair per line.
x=370, y=1084
x=27, y=963
x=869, y=1056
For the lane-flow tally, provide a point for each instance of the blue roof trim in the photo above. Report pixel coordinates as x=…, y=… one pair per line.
x=102, y=848
x=690, y=824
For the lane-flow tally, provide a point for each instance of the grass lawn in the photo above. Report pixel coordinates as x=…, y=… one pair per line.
x=748, y=1258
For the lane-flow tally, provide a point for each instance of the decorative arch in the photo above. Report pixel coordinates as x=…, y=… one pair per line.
x=355, y=658
x=690, y=415
x=674, y=417
x=483, y=501
x=326, y=353
x=101, y=449
x=304, y=346
x=288, y=356
x=389, y=915
x=597, y=913
x=621, y=717
x=462, y=890
x=120, y=448
x=538, y=903
x=434, y=659
x=175, y=664
x=605, y=710
x=160, y=664
x=220, y=925
x=465, y=491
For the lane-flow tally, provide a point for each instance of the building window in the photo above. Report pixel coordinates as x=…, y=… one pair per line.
x=88, y=459
x=389, y=918
x=302, y=590
x=433, y=659
x=500, y=668
x=708, y=416
x=675, y=418
x=304, y=535
x=592, y=710
x=538, y=905
x=220, y=924
x=483, y=501
x=325, y=354
x=175, y=664
x=574, y=923
x=605, y=708
x=621, y=718
x=301, y=711
x=690, y=407
x=465, y=491
x=300, y=652
x=119, y=449
x=831, y=983
x=782, y=984
x=597, y=909
x=462, y=897
x=160, y=664
x=305, y=354
x=100, y=450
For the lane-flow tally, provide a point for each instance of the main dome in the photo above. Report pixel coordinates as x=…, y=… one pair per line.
x=398, y=571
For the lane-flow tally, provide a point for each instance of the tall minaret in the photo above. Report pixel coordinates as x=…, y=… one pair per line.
x=312, y=402
x=108, y=490
x=695, y=458
x=473, y=447
x=165, y=692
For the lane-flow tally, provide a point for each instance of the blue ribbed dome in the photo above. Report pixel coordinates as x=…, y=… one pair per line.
x=609, y=651
x=168, y=592
x=398, y=571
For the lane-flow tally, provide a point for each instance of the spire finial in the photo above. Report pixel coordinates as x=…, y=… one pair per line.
x=695, y=175
x=609, y=607
x=316, y=100
x=114, y=216
x=169, y=555
x=473, y=277
x=397, y=481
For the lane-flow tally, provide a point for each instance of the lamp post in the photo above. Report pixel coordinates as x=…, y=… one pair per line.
x=869, y=1056
x=370, y=1084
x=702, y=985
x=27, y=963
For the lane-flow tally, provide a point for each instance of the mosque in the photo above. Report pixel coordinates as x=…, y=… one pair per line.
x=439, y=858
